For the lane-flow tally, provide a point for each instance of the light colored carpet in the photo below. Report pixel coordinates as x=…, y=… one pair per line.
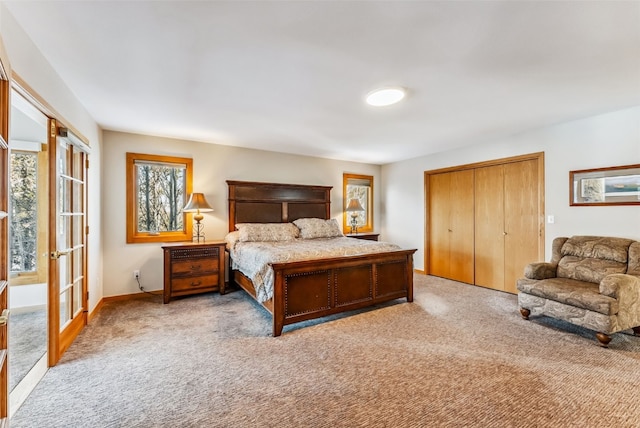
x=458, y=356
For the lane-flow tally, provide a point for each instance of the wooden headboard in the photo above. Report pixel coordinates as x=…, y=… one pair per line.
x=252, y=202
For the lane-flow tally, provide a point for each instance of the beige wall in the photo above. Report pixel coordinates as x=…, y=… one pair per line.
x=595, y=142
x=213, y=165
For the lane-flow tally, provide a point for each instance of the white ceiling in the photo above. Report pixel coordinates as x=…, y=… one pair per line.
x=291, y=76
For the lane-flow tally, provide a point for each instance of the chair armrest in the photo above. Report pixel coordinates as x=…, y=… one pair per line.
x=541, y=270
x=621, y=286
x=626, y=290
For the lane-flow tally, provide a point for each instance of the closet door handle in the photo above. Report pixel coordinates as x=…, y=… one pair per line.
x=4, y=317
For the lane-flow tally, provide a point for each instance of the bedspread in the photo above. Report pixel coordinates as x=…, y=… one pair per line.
x=254, y=259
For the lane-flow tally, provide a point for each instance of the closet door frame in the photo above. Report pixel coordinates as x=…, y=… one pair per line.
x=539, y=156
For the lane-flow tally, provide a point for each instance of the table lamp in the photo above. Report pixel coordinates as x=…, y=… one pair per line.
x=197, y=204
x=354, y=208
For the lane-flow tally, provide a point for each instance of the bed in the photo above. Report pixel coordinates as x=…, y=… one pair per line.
x=310, y=289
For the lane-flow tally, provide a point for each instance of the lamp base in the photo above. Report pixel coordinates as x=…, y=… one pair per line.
x=198, y=235
x=354, y=225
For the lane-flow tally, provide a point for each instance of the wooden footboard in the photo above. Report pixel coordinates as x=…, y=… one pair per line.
x=316, y=288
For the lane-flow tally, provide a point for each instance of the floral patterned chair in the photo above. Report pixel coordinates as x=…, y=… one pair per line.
x=591, y=281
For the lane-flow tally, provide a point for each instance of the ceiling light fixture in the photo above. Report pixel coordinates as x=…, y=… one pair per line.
x=385, y=96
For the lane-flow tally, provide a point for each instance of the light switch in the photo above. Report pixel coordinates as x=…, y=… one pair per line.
x=551, y=219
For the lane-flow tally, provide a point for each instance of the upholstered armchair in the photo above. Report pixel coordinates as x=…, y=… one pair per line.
x=591, y=281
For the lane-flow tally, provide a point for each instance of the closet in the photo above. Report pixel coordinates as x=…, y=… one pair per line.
x=485, y=220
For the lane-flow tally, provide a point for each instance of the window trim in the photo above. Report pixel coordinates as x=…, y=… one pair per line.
x=135, y=237
x=346, y=226
x=42, y=238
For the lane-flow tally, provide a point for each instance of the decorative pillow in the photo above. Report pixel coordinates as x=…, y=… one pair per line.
x=252, y=232
x=318, y=228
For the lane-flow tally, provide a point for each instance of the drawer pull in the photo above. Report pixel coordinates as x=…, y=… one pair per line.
x=196, y=283
x=195, y=267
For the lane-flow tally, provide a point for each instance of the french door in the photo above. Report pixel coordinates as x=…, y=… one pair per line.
x=68, y=252
x=4, y=245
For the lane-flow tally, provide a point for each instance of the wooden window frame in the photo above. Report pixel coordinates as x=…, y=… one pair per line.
x=41, y=272
x=133, y=235
x=346, y=226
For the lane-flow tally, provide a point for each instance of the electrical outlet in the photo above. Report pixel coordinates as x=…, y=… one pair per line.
x=136, y=274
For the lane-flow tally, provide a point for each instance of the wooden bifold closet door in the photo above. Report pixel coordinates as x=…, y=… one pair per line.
x=506, y=223
x=489, y=227
x=524, y=224
x=451, y=225
x=484, y=221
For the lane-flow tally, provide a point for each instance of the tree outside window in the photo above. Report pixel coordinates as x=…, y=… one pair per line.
x=157, y=190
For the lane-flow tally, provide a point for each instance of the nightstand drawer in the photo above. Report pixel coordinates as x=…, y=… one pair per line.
x=194, y=267
x=194, y=282
x=194, y=253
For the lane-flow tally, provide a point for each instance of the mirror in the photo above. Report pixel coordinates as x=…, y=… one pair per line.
x=28, y=233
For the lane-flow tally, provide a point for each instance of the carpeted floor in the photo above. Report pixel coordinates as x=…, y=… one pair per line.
x=459, y=356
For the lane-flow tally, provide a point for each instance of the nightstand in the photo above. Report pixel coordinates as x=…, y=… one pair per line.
x=193, y=268
x=367, y=236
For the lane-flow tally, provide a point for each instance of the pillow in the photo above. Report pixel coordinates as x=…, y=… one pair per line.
x=318, y=228
x=252, y=232
x=231, y=239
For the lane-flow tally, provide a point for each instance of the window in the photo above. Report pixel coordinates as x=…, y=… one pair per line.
x=157, y=190
x=360, y=187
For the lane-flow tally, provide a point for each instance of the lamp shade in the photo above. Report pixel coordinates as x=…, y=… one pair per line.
x=197, y=203
x=354, y=205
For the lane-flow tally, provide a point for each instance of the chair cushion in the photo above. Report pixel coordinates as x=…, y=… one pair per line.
x=597, y=247
x=571, y=292
x=588, y=269
x=591, y=258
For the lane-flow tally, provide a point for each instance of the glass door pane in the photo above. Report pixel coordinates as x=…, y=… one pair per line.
x=65, y=312
x=64, y=267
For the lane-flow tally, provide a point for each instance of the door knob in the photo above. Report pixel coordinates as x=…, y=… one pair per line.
x=56, y=254
x=4, y=317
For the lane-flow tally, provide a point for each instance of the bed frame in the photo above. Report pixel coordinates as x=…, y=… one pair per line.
x=315, y=288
